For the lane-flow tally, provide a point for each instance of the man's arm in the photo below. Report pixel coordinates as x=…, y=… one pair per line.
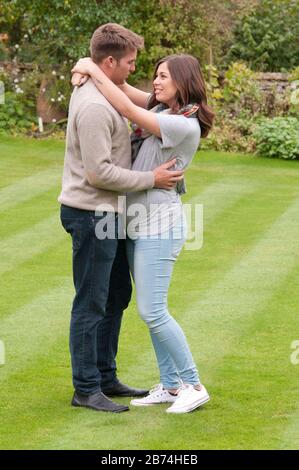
x=95, y=127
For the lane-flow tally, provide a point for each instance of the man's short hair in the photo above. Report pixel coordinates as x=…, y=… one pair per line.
x=115, y=40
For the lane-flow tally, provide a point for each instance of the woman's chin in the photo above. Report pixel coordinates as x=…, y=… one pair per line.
x=159, y=99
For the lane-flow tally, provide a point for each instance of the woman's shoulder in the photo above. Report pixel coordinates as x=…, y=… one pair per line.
x=189, y=126
x=179, y=120
x=178, y=130
x=194, y=125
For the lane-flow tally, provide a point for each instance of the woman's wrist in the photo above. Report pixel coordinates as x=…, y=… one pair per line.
x=122, y=86
x=93, y=69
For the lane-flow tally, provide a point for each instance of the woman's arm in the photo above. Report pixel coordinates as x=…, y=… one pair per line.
x=138, y=97
x=118, y=99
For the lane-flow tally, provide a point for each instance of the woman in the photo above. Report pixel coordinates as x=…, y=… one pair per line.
x=178, y=116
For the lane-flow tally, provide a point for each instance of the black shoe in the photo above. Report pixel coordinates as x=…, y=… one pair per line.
x=122, y=390
x=97, y=401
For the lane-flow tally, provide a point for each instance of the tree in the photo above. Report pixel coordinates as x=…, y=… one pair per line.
x=267, y=38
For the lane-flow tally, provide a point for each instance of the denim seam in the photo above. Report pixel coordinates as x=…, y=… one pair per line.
x=156, y=283
x=82, y=366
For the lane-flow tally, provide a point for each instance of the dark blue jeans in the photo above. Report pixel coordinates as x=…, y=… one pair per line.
x=103, y=291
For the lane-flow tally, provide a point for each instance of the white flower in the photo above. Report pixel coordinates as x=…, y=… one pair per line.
x=53, y=120
x=17, y=46
x=26, y=36
x=18, y=90
x=52, y=99
x=59, y=99
x=16, y=80
x=62, y=77
x=53, y=73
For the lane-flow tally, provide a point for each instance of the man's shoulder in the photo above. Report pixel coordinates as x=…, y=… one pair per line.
x=88, y=96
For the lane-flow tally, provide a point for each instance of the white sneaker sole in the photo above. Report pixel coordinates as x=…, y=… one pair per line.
x=134, y=403
x=191, y=408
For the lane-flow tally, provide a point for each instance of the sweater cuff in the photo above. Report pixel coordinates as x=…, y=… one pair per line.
x=150, y=179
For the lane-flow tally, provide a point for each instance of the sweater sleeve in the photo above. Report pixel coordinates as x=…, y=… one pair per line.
x=95, y=130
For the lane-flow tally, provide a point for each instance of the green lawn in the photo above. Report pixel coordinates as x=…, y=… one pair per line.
x=236, y=298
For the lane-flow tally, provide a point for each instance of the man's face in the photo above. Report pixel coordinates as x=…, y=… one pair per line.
x=123, y=68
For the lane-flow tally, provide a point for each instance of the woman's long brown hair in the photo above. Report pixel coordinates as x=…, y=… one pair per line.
x=185, y=71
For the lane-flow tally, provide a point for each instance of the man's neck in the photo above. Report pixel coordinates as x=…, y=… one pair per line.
x=106, y=71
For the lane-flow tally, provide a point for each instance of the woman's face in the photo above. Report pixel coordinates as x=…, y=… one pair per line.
x=164, y=87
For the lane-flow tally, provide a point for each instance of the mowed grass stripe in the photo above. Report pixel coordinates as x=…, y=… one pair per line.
x=49, y=406
x=28, y=213
x=288, y=325
x=255, y=384
x=226, y=239
x=251, y=281
x=217, y=189
x=40, y=237
x=228, y=310
x=223, y=312
x=33, y=328
x=221, y=195
x=48, y=419
x=34, y=277
x=290, y=438
x=26, y=244
x=20, y=157
x=29, y=187
x=44, y=300
x=254, y=388
x=221, y=321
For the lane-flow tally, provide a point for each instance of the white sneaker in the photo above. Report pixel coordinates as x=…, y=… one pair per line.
x=156, y=395
x=189, y=399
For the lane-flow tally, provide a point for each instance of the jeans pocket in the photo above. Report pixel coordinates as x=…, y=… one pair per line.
x=177, y=245
x=75, y=227
x=179, y=235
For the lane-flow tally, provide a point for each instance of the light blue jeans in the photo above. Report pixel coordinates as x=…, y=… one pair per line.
x=151, y=262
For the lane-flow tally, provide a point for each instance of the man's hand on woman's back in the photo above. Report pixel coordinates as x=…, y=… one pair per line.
x=166, y=178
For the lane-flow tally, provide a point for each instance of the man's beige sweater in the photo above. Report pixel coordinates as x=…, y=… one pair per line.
x=98, y=154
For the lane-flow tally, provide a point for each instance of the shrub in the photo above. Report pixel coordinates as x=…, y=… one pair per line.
x=267, y=37
x=231, y=135
x=278, y=137
x=14, y=115
x=240, y=91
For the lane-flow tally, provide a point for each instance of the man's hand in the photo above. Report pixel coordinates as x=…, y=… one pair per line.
x=165, y=178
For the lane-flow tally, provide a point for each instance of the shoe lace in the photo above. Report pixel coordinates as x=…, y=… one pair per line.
x=155, y=388
x=184, y=389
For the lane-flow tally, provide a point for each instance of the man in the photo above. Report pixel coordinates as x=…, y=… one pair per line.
x=96, y=172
